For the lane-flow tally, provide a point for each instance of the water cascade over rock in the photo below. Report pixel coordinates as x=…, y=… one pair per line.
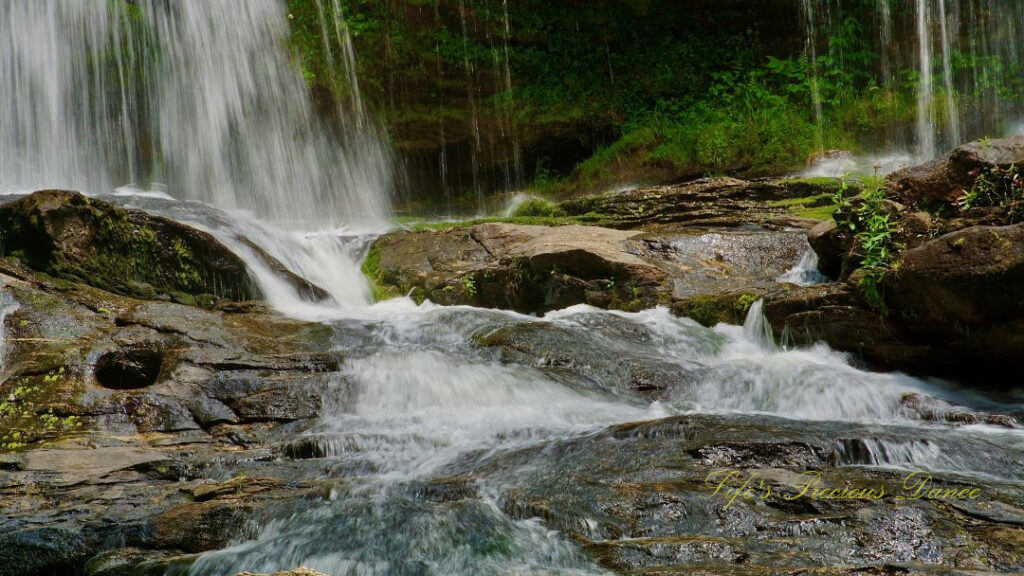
x=200, y=97
x=197, y=383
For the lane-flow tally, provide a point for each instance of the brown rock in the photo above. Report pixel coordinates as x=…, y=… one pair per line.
x=969, y=278
x=127, y=252
x=945, y=179
x=536, y=268
x=524, y=268
x=830, y=244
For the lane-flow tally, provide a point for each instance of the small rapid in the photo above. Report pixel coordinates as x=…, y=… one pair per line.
x=425, y=395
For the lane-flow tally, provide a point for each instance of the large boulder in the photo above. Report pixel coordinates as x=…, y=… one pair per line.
x=524, y=268
x=709, y=275
x=961, y=281
x=955, y=309
x=834, y=313
x=945, y=179
x=130, y=252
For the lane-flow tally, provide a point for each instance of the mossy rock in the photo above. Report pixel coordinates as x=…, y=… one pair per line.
x=711, y=309
x=129, y=252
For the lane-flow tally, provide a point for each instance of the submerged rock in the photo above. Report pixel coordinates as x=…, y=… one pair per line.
x=761, y=495
x=129, y=252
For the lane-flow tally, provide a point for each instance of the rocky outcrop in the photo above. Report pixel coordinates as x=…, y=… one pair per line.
x=129, y=252
x=835, y=314
x=952, y=297
x=963, y=280
x=719, y=202
x=122, y=417
x=945, y=179
x=535, y=269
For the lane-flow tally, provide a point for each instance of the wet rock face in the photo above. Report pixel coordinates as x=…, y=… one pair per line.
x=953, y=295
x=644, y=501
x=535, y=269
x=144, y=396
x=70, y=236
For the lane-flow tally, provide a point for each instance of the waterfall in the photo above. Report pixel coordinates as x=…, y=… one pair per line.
x=925, y=126
x=953, y=115
x=960, y=60
x=198, y=96
x=812, y=59
x=8, y=305
x=757, y=329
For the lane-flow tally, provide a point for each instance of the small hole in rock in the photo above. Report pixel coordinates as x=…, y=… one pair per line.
x=129, y=369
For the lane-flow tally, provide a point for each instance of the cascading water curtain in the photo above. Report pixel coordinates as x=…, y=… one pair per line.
x=198, y=95
x=959, y=63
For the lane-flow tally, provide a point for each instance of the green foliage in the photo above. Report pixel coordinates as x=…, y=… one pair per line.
x=186, y=274
x=537, y=208
x=994, y=187
x=688, y=93
x=870, y=220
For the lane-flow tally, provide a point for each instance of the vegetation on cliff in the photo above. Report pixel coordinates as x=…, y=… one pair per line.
x=592, y=98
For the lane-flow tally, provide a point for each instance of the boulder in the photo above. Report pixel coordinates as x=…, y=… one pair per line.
x=945, y=179
x=535, y=269
x=70, y=236
x=831, y=245
x=940, y=324
x=835, y=315
x=961, y=281
x=523, y=268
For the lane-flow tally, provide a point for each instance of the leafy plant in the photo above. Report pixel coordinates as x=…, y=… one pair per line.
x=1002, y=187
x=870, y=221
x=875, y=238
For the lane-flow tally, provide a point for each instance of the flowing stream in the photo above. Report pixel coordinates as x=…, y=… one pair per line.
x=418, y=398
x=418, y=401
